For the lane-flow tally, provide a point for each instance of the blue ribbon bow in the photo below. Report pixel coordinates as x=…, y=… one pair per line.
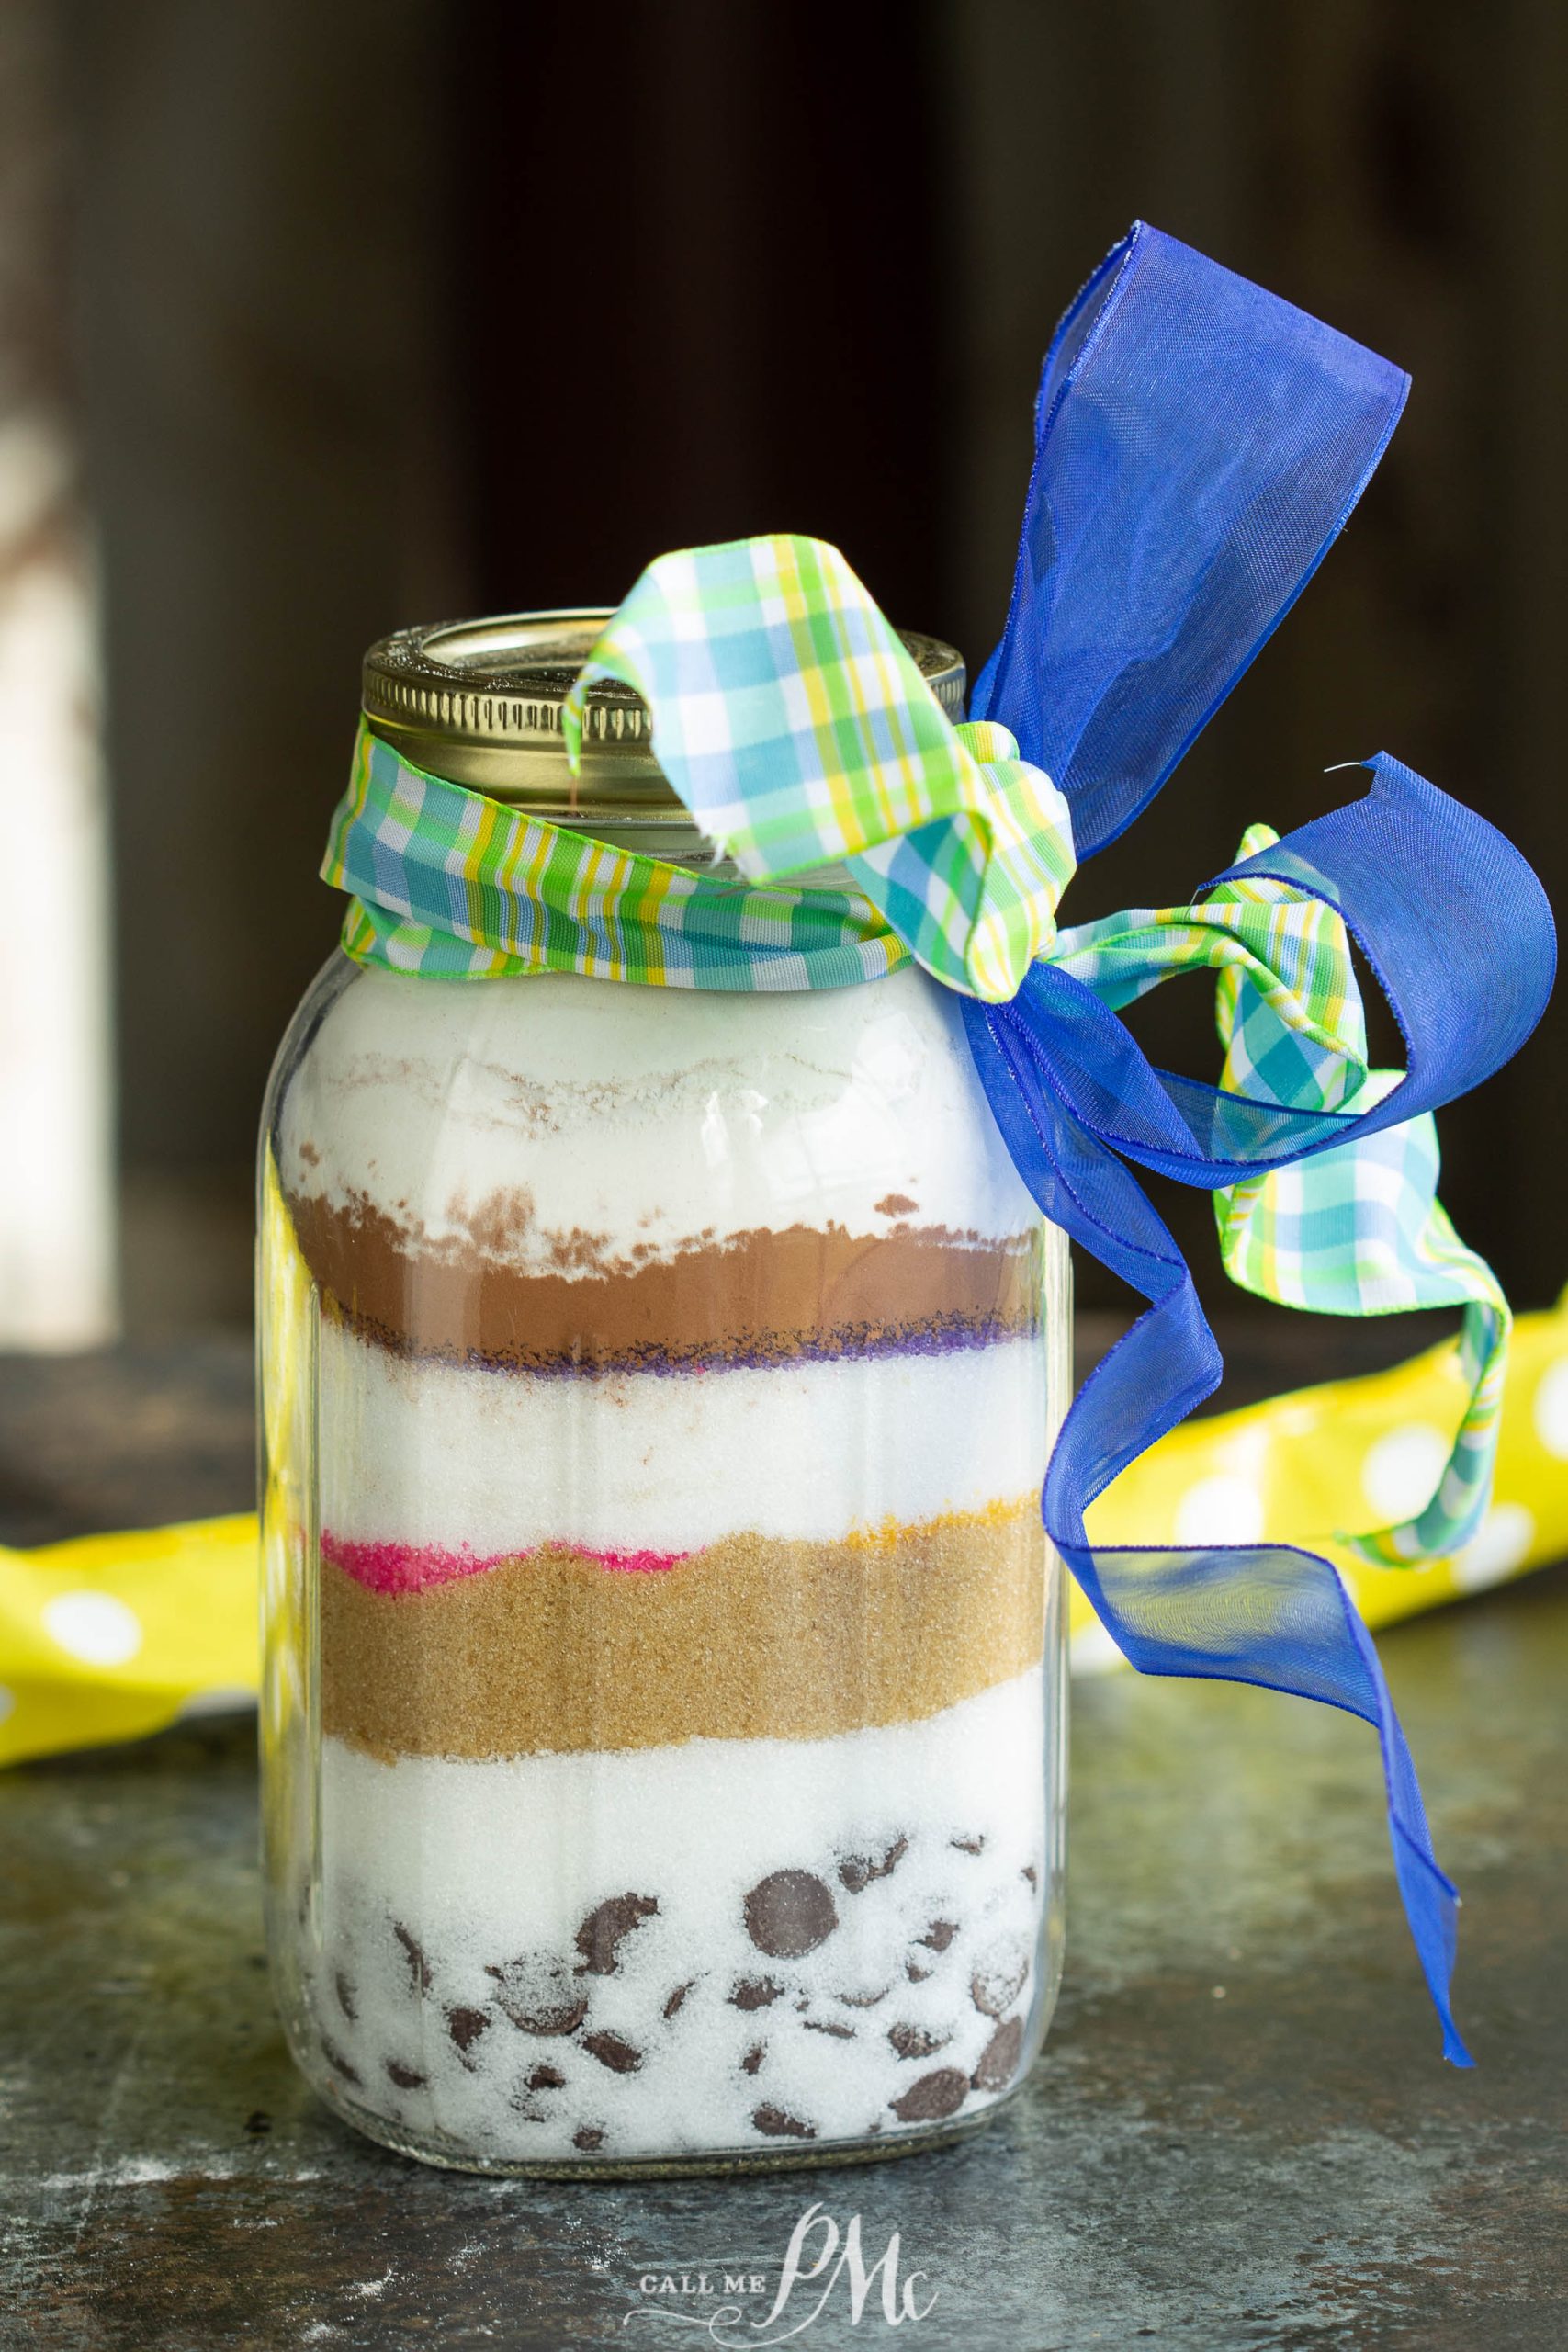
x=1199, y=445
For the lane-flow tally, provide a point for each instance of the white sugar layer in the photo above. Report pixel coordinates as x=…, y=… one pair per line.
x=445, y=1455
x=515, y=1114
x=454, y=1898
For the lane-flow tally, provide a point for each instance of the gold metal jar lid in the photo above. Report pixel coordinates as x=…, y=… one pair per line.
x=479, y=702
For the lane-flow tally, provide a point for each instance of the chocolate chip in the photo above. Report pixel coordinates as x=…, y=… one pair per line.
x=780, y=2126
x=602, y=1931
x=915, y=2042
x=753, y=2058
x=754, y=1993
x=790, y=1914
x=932, y=2096
x=586, y=2137
x=465, y=2026
x=547, y=2078
x=938, y=1936
x=1031, y=1873
x=826, y=2025
x=612, y=2052
x=407, y=2078
x=999, y=2060
x=999, y=1978
x=345, y=1996
x=968, y=1845
x=539, y=1995
x=677, y=1996
x=338, y=2062
x=863, y=2000
x=419, y=1967
x=857, y=1871
x=918, y=1976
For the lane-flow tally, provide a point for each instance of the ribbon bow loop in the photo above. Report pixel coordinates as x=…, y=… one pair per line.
x=1198, y=446
x=798, y=730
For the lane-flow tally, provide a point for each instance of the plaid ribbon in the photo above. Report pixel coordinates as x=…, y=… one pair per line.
x=799, y=732
x=1358, y=1230
x=453, y=886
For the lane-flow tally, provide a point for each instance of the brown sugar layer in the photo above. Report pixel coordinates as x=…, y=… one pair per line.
x=755, y=1637
x=757, y=1297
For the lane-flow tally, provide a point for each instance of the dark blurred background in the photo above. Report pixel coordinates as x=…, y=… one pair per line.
x=364, y=311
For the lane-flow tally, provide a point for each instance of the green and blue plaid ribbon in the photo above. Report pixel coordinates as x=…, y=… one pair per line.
x=453, y=886
x=1358, y=1230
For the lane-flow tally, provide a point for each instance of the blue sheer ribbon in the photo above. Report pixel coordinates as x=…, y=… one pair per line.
x=1200, y=445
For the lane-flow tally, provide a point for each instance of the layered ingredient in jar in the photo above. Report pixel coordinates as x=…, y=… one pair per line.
x=682, y=1416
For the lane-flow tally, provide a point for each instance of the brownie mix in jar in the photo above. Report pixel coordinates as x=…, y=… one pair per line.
x=663, y=1706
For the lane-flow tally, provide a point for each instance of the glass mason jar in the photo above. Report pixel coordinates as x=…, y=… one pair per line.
x=663, y=1709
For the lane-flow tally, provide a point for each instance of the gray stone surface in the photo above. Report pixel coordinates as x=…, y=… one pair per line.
x=1242, y=2134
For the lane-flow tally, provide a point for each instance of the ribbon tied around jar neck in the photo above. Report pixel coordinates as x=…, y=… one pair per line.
x=1199, y=445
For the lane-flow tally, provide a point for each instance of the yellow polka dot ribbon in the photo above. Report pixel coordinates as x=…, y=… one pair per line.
x=111, y=1636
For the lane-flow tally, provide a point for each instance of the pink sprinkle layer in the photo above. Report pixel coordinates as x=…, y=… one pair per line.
x=391, y=1568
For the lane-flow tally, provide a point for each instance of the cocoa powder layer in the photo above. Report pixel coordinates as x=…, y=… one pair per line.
x=759, y=1297
x=754, y=1638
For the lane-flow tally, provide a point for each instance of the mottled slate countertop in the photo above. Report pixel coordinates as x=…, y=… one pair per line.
x=1241, y=2135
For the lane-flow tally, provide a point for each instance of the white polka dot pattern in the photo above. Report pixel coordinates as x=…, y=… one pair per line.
x=93, y=1627
x=1500, y=1545
x=1221, y=1509
x=1402, y=1470
x=1552, y=1410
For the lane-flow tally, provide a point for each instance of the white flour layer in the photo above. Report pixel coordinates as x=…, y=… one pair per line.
x=443, y=1454
x=649, y=1118
x=455, y=1905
